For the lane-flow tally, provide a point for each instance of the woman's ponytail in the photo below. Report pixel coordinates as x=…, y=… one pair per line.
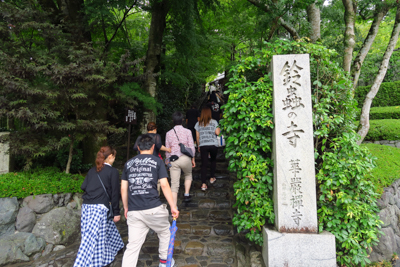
x=103, y=153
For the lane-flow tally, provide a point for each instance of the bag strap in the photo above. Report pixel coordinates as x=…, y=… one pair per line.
x=104, y=187
x=176, y=135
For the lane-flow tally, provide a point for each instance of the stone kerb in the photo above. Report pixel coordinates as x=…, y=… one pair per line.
x=392, y=143
x=27, y=225
x=4, y=156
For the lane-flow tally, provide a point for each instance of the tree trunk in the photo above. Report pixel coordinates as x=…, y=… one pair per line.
x=364, y=120
x=79, y=29
x=314, y=18
x=350, y=7
x=71, y=149
x=159, y=12
x=357, y=64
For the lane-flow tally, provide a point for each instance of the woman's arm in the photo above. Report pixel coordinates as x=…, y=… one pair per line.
x=217, y=131
x=167, y=144
x=166, y=149
x=197, y=140
x=190, y=141
x=158, y=143
x=135, y=146
x=85, y=182
x=115, y=194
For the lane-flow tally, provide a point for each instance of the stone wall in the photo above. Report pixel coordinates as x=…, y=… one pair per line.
x=34, y=226
x=395, y=143
x=389, y=241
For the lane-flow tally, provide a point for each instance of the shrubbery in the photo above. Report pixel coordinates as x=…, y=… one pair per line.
x=382, y=113
x=383, y=130
x=346, y=199
x=39, y=181
x=388, y=95
x=387, y=165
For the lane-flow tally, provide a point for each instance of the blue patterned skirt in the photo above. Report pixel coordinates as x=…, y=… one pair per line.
x=101, y=240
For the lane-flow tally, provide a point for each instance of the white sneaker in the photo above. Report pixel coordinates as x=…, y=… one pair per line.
x=164, y=264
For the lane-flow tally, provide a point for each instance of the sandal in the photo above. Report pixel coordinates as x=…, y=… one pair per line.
x=213, y=180
x=204, y=187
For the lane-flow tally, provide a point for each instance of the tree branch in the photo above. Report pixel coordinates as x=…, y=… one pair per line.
x=373, y=31
x=364, y=119
x=119, y=25
x=283, y=23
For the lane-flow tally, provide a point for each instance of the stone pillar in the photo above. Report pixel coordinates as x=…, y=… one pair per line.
x=294, y=241
x=4, y=156
x=293, y=148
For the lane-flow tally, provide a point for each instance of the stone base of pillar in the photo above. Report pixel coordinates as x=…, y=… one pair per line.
x=298, y=250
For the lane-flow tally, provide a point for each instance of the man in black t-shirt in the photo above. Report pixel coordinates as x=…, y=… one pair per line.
x=215, y=110
x=143, y=207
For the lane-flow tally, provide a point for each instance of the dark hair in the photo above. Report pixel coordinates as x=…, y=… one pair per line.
x=103, y=153
x=177, y=117
x=193, y=106
x=145, y=142
x=151, y=126
x=205, y=116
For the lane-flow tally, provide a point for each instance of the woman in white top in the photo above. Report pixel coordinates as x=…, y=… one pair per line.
x=206, y=131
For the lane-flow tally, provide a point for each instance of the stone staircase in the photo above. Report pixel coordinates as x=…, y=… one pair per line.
x=205, y=237
x=205, y=232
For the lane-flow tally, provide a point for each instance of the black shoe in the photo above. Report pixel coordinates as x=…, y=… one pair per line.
x=187, y=198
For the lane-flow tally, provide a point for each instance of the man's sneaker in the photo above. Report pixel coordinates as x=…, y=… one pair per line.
x=187, y=198
x=165, y=265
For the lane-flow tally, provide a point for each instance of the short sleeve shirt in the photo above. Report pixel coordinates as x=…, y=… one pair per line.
x=207, y=133
x=142, y=173
x=191, y=116
x=157, y=143
x=215, y=110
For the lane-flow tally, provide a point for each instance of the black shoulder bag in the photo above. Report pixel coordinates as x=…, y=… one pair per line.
x=110, y=214
x=184, y=150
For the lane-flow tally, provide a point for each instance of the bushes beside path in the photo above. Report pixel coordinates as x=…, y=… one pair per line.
x=39, y=181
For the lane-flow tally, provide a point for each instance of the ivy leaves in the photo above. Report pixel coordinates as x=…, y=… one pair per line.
x=346, y=199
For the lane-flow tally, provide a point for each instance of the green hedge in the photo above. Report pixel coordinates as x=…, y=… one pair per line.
x=382, y=113
x=388, y=95
x=383, y=130
x=39, y=181
x=387, y=165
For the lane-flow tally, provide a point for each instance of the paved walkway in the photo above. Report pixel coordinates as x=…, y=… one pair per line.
x=205, y=231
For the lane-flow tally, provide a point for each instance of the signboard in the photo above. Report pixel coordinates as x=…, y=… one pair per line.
x=130, y=116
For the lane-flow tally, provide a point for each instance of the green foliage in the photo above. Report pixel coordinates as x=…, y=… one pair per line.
x=248, y=123
x=387, y=165
x=383, y=130
x=133, y=91
x=346, y=199
x=39, y=181
x=388, y=95
x=382, y=113
x=52, y=86
x=59, y=160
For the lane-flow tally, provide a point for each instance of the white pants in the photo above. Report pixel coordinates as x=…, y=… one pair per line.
x=139, y=223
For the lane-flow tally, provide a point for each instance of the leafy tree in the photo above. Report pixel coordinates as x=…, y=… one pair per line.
x=59, y=91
